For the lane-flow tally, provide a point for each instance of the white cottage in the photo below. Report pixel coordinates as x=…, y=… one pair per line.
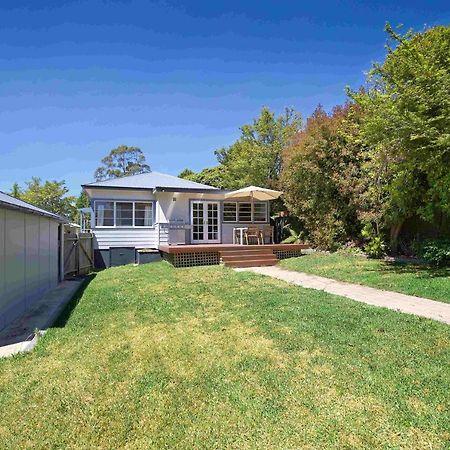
x=170, y=214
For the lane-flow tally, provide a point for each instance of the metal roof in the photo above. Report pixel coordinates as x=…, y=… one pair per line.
x=150, y=180
x=14, y=203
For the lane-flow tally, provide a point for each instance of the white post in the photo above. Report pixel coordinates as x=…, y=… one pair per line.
x=61, y=252
x=252, y=207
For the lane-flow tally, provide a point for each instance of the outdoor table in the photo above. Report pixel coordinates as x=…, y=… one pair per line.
x=241, y=234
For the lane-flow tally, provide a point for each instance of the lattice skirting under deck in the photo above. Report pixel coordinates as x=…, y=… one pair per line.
x=192, y=259
x=283, y=254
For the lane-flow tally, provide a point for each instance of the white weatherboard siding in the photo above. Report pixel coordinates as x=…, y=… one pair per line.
x=166, y=209
x=125, y=237
x=169, y=206
x=139, y=237
x=121, y=194
x=180, y=208
x=28, y=261
x=176, y=206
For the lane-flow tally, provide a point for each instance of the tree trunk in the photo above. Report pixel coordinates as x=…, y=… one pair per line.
x=395, y=231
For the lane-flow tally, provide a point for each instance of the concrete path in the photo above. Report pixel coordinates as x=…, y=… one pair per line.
x=20, y=335
x=364, y=294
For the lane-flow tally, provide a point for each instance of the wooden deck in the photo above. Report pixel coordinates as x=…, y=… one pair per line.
x=232, y=255
x=185, y=248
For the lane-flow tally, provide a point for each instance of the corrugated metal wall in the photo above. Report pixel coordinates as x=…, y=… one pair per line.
x=28, y=261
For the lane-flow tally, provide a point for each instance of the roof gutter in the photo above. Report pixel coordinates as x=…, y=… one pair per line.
x=195, y=190
x=87, y=186
x=159, y=189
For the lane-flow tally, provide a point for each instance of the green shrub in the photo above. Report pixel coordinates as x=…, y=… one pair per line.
x=351, y=248
x=294, y=236
x=436, y=252
x=375, y=246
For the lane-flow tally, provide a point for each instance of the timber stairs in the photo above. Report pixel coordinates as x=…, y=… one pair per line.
x=248, y=256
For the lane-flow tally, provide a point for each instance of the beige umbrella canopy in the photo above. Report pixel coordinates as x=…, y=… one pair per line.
x=254, y=193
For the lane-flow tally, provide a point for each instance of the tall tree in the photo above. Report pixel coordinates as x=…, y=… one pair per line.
x=82, y=201
x=49, y=195
x=406, y=125
x=212, y=176
x=187, y=174
x=255, y=158
x=321, y=176
x=15, y=190
x=122, y=161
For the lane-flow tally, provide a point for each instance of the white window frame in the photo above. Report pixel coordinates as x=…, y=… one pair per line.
x=153, y=203
x=148, y=202
x=265, y=212
x=95, y=213
x=115, y=214
x=236, y=215
x=239, y=212
x=266, y=218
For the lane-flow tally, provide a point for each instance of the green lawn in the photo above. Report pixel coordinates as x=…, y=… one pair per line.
x=157, y=357
x=412, y=279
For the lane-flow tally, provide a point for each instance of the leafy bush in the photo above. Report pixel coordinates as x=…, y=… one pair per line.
x=436, y=252
x=284, y=225
x=375, y=246
x=351, y=248
x=295, y=237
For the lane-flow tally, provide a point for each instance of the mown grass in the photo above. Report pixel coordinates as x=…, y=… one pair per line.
x=407, y=278
x=157, y=357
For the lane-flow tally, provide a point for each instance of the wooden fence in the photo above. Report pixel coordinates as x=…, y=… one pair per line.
x=78, y=254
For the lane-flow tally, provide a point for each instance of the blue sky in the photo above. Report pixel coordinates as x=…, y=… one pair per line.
x=174, y=78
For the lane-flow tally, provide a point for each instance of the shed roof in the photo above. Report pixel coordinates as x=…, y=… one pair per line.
x=151, y=180
x=14, y=203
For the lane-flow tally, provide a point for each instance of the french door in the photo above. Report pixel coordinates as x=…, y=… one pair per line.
x=205, y=222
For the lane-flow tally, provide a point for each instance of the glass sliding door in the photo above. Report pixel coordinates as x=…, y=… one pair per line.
x=205, y=218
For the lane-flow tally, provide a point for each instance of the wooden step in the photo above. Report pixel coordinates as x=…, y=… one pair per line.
x=247, y=256
x=252, y=263
x=250, y=251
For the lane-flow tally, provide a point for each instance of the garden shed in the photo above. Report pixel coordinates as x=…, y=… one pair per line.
x=30, y=255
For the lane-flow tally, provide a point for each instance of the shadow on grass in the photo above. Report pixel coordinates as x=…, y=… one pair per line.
x=70, y=307
x=421, y=270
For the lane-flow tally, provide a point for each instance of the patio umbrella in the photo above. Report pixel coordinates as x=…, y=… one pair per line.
x=255, y=193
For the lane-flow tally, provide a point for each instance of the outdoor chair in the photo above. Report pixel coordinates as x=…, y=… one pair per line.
x=252, y=233
x=267, y=234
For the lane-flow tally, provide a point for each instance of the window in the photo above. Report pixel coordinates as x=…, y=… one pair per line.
x=104, y=214
x=143, y=214
x=123, y=214
x=242, y=212
x=230, y=212
x=245, y=212
x=259, y=212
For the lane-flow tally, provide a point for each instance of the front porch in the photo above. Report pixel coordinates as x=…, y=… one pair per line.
x=232, y=255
